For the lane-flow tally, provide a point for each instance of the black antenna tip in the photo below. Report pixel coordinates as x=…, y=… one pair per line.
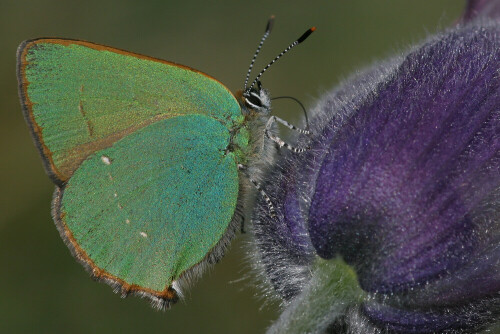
x=306, y=34
x=270, y=24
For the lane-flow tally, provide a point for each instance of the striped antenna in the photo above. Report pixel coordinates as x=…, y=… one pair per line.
x=269, y=27
x=297, y=42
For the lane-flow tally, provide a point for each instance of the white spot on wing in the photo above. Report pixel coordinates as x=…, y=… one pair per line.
x=106, y=160
x=143, y=234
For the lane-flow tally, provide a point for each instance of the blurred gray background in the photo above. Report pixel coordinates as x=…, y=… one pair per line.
x=43, y=289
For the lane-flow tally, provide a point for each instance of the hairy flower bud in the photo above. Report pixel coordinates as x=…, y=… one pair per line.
x=391, y=221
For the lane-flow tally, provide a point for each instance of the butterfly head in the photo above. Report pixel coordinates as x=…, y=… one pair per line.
x=257, y=99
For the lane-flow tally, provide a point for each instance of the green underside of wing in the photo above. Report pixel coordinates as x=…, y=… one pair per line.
x=83, y=99
x=155, y=203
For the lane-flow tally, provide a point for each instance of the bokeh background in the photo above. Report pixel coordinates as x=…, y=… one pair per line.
x=42, y=288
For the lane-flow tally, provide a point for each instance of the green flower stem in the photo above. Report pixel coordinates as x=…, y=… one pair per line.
x=332, y=289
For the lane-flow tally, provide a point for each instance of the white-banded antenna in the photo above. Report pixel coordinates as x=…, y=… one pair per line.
x=297, y=42
x=269, y=27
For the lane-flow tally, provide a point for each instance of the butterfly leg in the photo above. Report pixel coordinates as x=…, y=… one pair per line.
x=257, y=186
x=290, y=126
x=279, y=141
x=242, y=227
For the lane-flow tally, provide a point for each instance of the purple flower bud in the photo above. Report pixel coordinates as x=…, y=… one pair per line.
x=401, y=184
x=481, y=8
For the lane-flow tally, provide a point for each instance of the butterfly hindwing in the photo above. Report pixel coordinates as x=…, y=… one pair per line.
x=153, y=205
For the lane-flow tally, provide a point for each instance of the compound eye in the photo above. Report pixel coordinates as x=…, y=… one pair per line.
x=252, y=100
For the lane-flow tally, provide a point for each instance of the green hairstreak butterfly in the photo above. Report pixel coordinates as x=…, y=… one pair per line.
x=149, y=159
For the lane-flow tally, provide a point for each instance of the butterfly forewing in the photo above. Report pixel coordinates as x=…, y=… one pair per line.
x=81, y=97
